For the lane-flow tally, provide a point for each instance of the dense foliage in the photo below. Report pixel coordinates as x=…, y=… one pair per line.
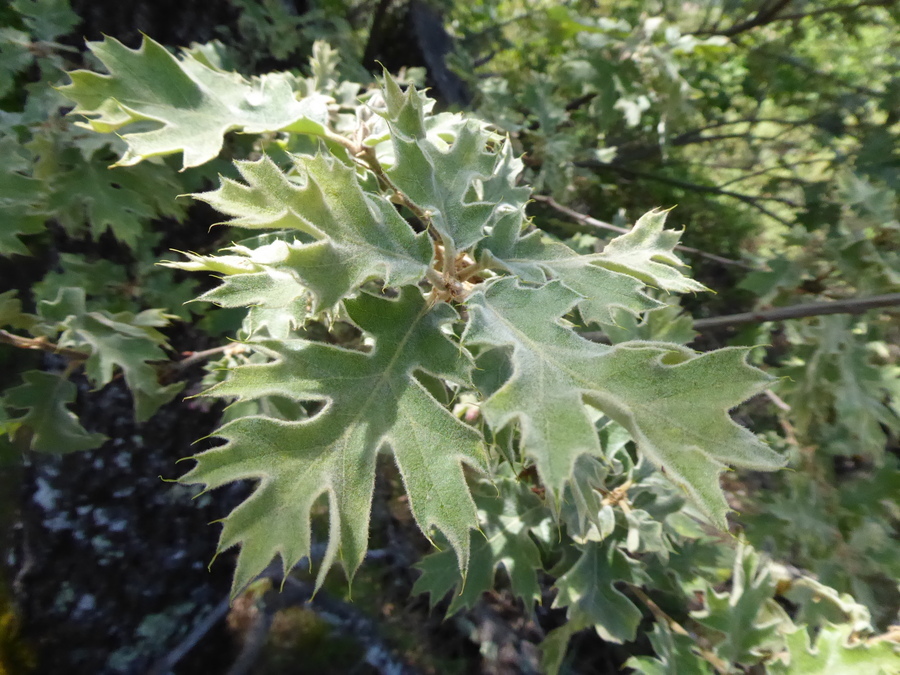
x=400, y=279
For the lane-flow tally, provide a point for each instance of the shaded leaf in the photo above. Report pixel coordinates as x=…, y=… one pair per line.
x=54, y=428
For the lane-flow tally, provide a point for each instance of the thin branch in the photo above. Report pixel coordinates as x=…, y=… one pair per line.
x=43, y=345
x=762, y=17
x=593, y=222
x=197, y=633
x=849, y=306
x=717, y=663
x=750, y=200
x=197, y=357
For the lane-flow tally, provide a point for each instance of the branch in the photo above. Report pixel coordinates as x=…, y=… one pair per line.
x=764, y=16
x=849, y=306
x=761, y=20
x=694, y=187
x=593, y=222
x=42, y=344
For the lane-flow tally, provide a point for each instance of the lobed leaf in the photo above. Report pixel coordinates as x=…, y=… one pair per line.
x=372, y=400
x=54, y=428
x=507, y=512
x=463, y=186
x=193, y=104
x=673, y=401
x=358, y=236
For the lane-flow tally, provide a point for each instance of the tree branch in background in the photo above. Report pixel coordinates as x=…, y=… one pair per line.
x=767, y=16
x=767, y=13
x=849, y=306
x=593, y=222
x=750, y=200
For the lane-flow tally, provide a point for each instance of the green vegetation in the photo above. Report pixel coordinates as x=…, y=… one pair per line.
x=442, y=287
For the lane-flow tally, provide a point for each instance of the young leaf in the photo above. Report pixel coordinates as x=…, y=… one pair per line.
x=373, y=400
x=449, y=181
x=689, y=435
x=359, y=236
x=505, y=520
x=54, y=428
x=195, y=105
x=610, y=280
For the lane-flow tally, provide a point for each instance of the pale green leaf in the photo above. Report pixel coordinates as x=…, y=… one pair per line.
x=611, y=281
x=462, y=185
x=358, y=236
x=373, y=400
x=54, y=428
x=834, y=653
x=193, y=104
x=673, y=401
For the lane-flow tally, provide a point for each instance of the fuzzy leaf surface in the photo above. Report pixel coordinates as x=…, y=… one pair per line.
x=372, y=400
x=610, y=280
x=505, y=520
x=462, y=185
x=195, y=105
x=673, y=401
x=359, y=236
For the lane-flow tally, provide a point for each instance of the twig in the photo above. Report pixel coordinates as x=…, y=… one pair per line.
x=170, y=660
x=849, y=306
x=593, y=222
x=197, y=357
x=42, y=344
x=717, y=663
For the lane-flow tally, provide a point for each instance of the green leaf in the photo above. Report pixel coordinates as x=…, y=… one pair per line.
x=608, y=281
x=359, y=236
x=54, y=428
x=124, y=340
x=373, y=400
x=739, y=614
x=47, y=19
x=194, y=105
x=462, y=185
x=507, y=511
x=675, y=655
x=555, y=372
x=119, y=200
x=11, y=313
x=833, y=653
x=588, y=591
